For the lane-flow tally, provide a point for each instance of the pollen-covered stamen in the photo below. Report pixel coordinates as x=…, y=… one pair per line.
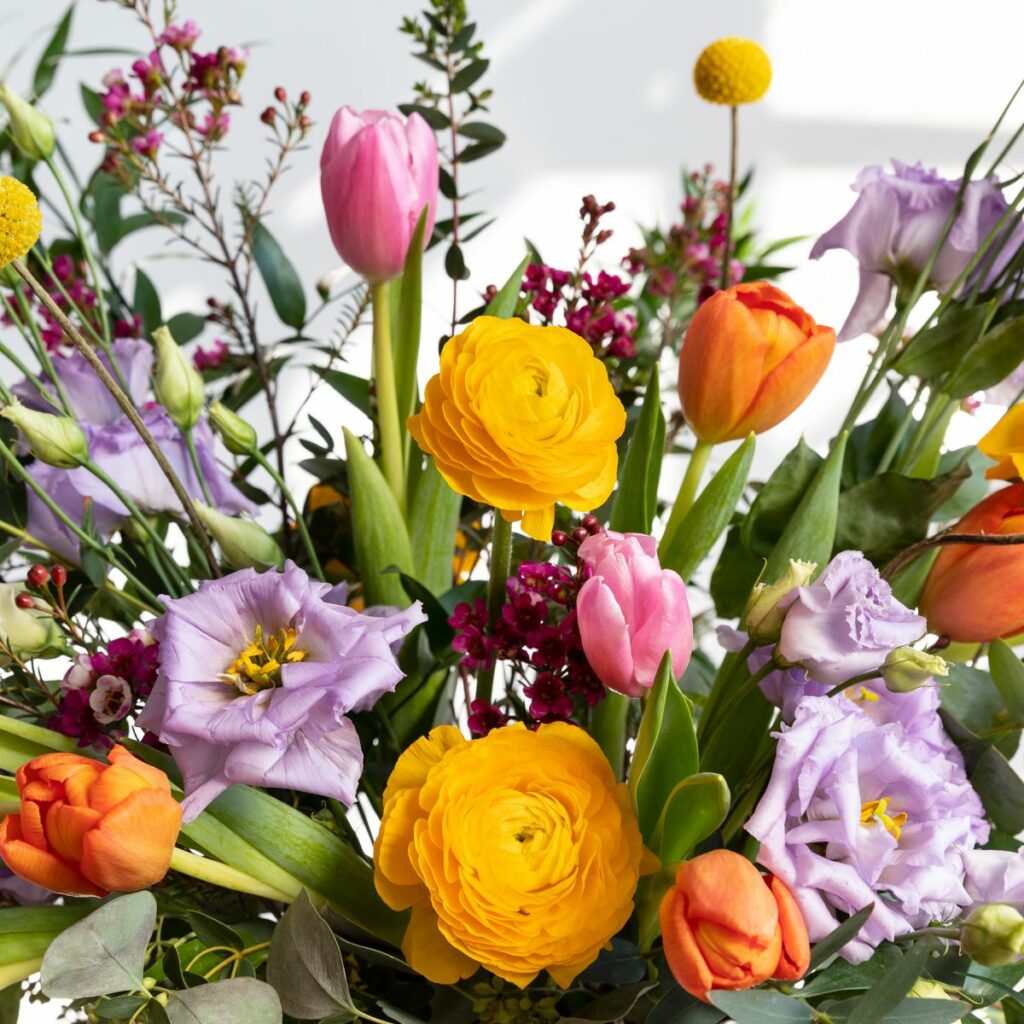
x=258, y=666
x=872, y=811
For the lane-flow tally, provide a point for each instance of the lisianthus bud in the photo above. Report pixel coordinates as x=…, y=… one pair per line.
x=238, y=436
x=177, y=384
x=245, y=544
x=769, y=602
x=907, y=668
x=925, y=989
x=31, y=130
x=24, y=632
x=56, y=440
x=993, y=935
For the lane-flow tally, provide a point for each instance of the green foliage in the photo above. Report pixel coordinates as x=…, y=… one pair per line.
x=279, y=275
x=637, y=494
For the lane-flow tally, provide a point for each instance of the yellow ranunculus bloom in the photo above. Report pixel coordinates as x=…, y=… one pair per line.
x=1005, y=443
x=518, y=852
x=732, y=71
x=521, y=417
x=20, y=220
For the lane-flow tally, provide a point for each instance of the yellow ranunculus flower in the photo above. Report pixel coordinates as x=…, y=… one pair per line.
x=518, y=852
x=521, y=417
x=732, y=71
x=1005, y=443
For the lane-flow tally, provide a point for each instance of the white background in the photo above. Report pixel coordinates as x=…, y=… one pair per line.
x=595, y=96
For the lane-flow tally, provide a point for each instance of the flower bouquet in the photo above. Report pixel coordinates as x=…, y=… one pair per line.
x=404, y=716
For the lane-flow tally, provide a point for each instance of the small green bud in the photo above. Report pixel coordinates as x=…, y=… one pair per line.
x=238, y=436
x=25, y=632
x=768, y=603
x=244, y=543
x=907, y=668
x=31, y=130
x=55, y=440
x=993, y=935
x=178, y=385
x=9, y=277
x=923, y=988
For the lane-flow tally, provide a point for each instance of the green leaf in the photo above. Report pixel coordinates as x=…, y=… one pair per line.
x=306, y=966
x=119, y=1008
x=46, y=69
x=734, y=575
x=666, y=749
x=892, y=988
x=1008, y=675
x=212, y=932
x=455, y=263
x=941, y=348
x=433, y=520
x=910, y=1011
x=869, y=441
x=710, y=514
x=776, y=503
x=279, y=276
x=990, y=984
x=221, y=1003
x=479, y=131
x=504, y=304
x=26, y=932
x=811, y=532
x=434, y=117
x=379, y=532
x=839, y=937
x=147, y=303
x=992, y=360
x=352, y=388
x=186, y=327
x=636, y=497
x=102, y=954
x=463, y=79
x=623, y=964
x=693, y=811
x=406, y=331
x=611, y=1008
x=477, y=151
x=759, y=1006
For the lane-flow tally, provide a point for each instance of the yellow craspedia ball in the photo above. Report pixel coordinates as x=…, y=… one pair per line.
x=519, y=852
x=20, y=220
x=732, y=71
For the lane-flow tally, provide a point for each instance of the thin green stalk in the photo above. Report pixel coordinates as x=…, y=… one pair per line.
x=499, y=568
x=687, y=490
x=38, y=346
x=730, y=199
x=608, y=726
x=300, y=521
x=193, y=454
x=900, y=432
x=739, y=696
x=936, y=413
x=209, y=870
x=390, y=428
x=721, y=686
x=864, y=677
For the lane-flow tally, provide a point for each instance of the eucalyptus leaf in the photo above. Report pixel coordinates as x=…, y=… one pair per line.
x=761, y=1006
x=623, y=964
x=224, y=1001
x=892, y=988
x=839, y=937
x=611, y=1008
x=679, y=1007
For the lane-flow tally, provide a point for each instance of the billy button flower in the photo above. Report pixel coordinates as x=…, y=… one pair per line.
x=21, y=221
x=732, y=71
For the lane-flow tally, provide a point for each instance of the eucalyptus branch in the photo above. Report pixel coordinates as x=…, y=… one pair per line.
x=908, y=555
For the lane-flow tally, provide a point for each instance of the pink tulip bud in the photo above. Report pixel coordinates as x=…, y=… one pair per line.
x=377, y=172
x=631, y=611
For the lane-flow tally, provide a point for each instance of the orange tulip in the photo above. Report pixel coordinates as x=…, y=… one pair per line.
x=725, y=925
x=87, y=829
x=975, y=592
x=750, y=357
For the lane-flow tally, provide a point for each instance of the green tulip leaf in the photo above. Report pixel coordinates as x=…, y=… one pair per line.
x=636, y=499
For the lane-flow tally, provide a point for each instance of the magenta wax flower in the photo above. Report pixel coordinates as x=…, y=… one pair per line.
x=846, y=622
x=857, y=813
x=631, y=611
x=895, y=224
x=377, y=172
x=258, y=673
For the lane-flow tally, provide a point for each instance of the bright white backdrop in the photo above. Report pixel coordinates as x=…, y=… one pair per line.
x=595, y=97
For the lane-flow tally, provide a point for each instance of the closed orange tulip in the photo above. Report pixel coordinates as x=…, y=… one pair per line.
x=975, y=592
x=88, y=829
x=724, y=925
x=750, y=357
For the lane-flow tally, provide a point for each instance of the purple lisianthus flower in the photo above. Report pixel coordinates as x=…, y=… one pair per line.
x=846, y=622
x=995, y=876
x=896, y=222
x=257, y=676
x=21, y=893
x=857, y=813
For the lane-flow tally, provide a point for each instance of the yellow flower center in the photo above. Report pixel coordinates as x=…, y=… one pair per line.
x=732, y=71
x=20, y=220
x=876, y=810
x=861, y=695
x=258, y=666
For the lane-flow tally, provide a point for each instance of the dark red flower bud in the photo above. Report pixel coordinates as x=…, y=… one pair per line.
x=580, y=534
x=268, y=116
x=38, y=576
x=559, y=538
x=304, y=99
x=280, y=95
x=591, y=523
x=59, y=575
x=24, y=601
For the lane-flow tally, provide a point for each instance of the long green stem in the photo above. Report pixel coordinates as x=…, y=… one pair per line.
x=190, y=443
x=608, y=726
x=687, y=490
x=741, y=694
x=300, y=520
x=38, y=346
x=500, y=565
x=901, y=431
x=392, y=462
x=208, y=870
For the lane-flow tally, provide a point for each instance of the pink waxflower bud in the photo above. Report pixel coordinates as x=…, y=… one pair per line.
x=377, y=172
x=631, y=611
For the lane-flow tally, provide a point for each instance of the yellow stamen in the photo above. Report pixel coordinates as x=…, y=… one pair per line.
x=258, y=666
x=875, y=810
x=862, y=695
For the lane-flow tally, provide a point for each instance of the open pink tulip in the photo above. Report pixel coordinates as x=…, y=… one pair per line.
x=631, y=611
x=377, y=172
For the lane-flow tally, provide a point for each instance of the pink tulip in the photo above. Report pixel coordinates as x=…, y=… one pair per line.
x=631, y=611
x=377, y=172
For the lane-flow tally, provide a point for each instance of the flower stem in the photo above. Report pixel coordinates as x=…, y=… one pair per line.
x=300, y=521
x=501, y=563
x=730, y=199
x=208, y=870
x=864, y=677
x=193, y=455
x=687, y=490
x=392, y=462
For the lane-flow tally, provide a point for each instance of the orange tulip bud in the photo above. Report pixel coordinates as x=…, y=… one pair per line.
x=750, y=357
x=975, y=592
x=725, y=925
x=87, y=829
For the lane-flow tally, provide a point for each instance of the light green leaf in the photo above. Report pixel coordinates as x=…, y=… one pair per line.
x=504, y=304
x=759, y=1006
x=694, y=809
x=283, y=283
x=1008, y=675
x=226, y=1002
x=433, y=520
x=406, y=333
x=992, y=360
x=46, y=69
x=636, y=497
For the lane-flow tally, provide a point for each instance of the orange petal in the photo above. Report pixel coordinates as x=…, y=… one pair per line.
x=796, y=948
x=41, y=866
x=153, y=777
x=726, y=889
x=684, y=958
x=115, y=785
x=66, y=827
x=31, y=819
x=42, y=791
x=131, y=847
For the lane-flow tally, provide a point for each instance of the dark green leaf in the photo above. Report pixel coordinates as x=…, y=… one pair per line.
x=776, y=503
x=679, y=1007
x=734, y=575
x=46, y=69
x=1008, y=675
x=279, y=276
x=869, y=441
x=455, y=263
x=477, y=151
x=118, y=1008
x=635, y=506
x=1001, y=790
x=439, y=632
x=147, y=303
x=186, y=327
x=990, y=984
x=212, y=932
x=438, y=121
x=447, y=184
x=481, y=132
x=352, y=388
x=220, y=1003
x=759, y=1006
x=839, y=937
x=842, y=976
x=910, y=1011
x=992, y=360
x=611, y=1008
x=623, y=964
x=892, y=988
x=940, y=348
x=92, y=102
x=463, y=79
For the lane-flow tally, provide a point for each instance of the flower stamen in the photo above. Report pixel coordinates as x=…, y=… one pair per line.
x=875, y=810
x=258, y=666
